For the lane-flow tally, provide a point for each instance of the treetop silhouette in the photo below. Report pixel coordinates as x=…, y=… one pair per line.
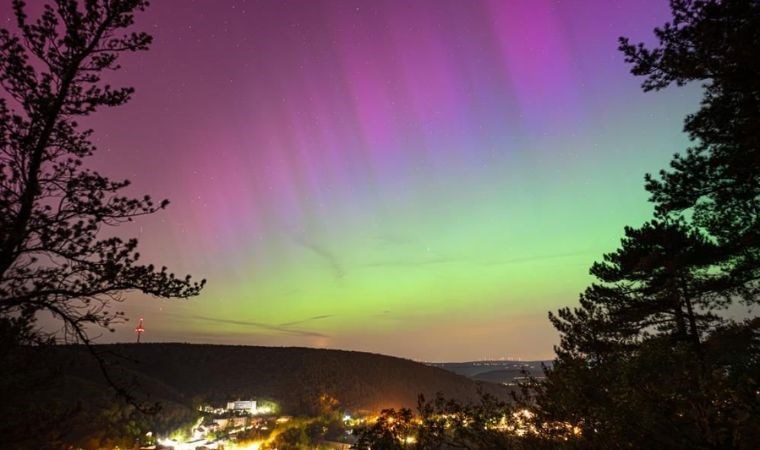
x=52, y=208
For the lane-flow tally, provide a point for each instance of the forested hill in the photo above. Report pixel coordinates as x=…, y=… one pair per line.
x=294, y=377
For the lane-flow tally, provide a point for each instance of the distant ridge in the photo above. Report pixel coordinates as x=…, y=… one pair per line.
x=294, y=377
x=496, y=371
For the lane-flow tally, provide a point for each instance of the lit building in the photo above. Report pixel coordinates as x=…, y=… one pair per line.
x=242, y=405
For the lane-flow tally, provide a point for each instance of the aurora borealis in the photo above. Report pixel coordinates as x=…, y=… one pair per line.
x=423, y=179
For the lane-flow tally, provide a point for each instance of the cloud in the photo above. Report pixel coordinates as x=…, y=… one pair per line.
x=332, y=260
x=283, y=328
x=419, y=262
x=310, y=319
x=410, y=262
x=386, y=314
x=537, y=258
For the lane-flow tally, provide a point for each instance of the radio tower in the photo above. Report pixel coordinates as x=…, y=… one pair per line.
x=139, y=330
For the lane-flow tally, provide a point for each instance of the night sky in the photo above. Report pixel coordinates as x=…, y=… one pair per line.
x=424, y=179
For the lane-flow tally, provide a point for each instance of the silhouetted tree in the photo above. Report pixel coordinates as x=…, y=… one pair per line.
x=52, y=209
x=647, y=360
x=391, y=431
x=292, y=438
x=53, y=258
x=659, y=394
x=716, y=184
x=450, y=424
x=661, y=281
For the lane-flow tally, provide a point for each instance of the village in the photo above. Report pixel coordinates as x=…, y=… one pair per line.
x=253, y=425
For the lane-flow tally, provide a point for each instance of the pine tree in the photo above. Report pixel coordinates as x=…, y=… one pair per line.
x=633, y=352
x=649, y=359
x=52, y=208
x=716, y=183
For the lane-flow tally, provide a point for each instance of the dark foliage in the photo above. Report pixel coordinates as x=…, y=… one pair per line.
x=649, y=359
x=52, y=209
x=302, y=381
x=391, y=431
x=716, y=184
x=489, y=423
x=294, y=438
x=299, y=379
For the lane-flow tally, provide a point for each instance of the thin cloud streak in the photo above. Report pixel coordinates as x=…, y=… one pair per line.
x=324, y=253
x=264, y=326
x=310, y=319
x=537, y=258
x=411, y=262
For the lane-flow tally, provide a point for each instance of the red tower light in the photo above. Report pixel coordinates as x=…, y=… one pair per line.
x=139, y=330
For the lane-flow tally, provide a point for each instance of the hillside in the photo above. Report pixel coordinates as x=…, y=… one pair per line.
x=504, y=376
x=63, y=386
x=501, y=372
x=293, y=377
